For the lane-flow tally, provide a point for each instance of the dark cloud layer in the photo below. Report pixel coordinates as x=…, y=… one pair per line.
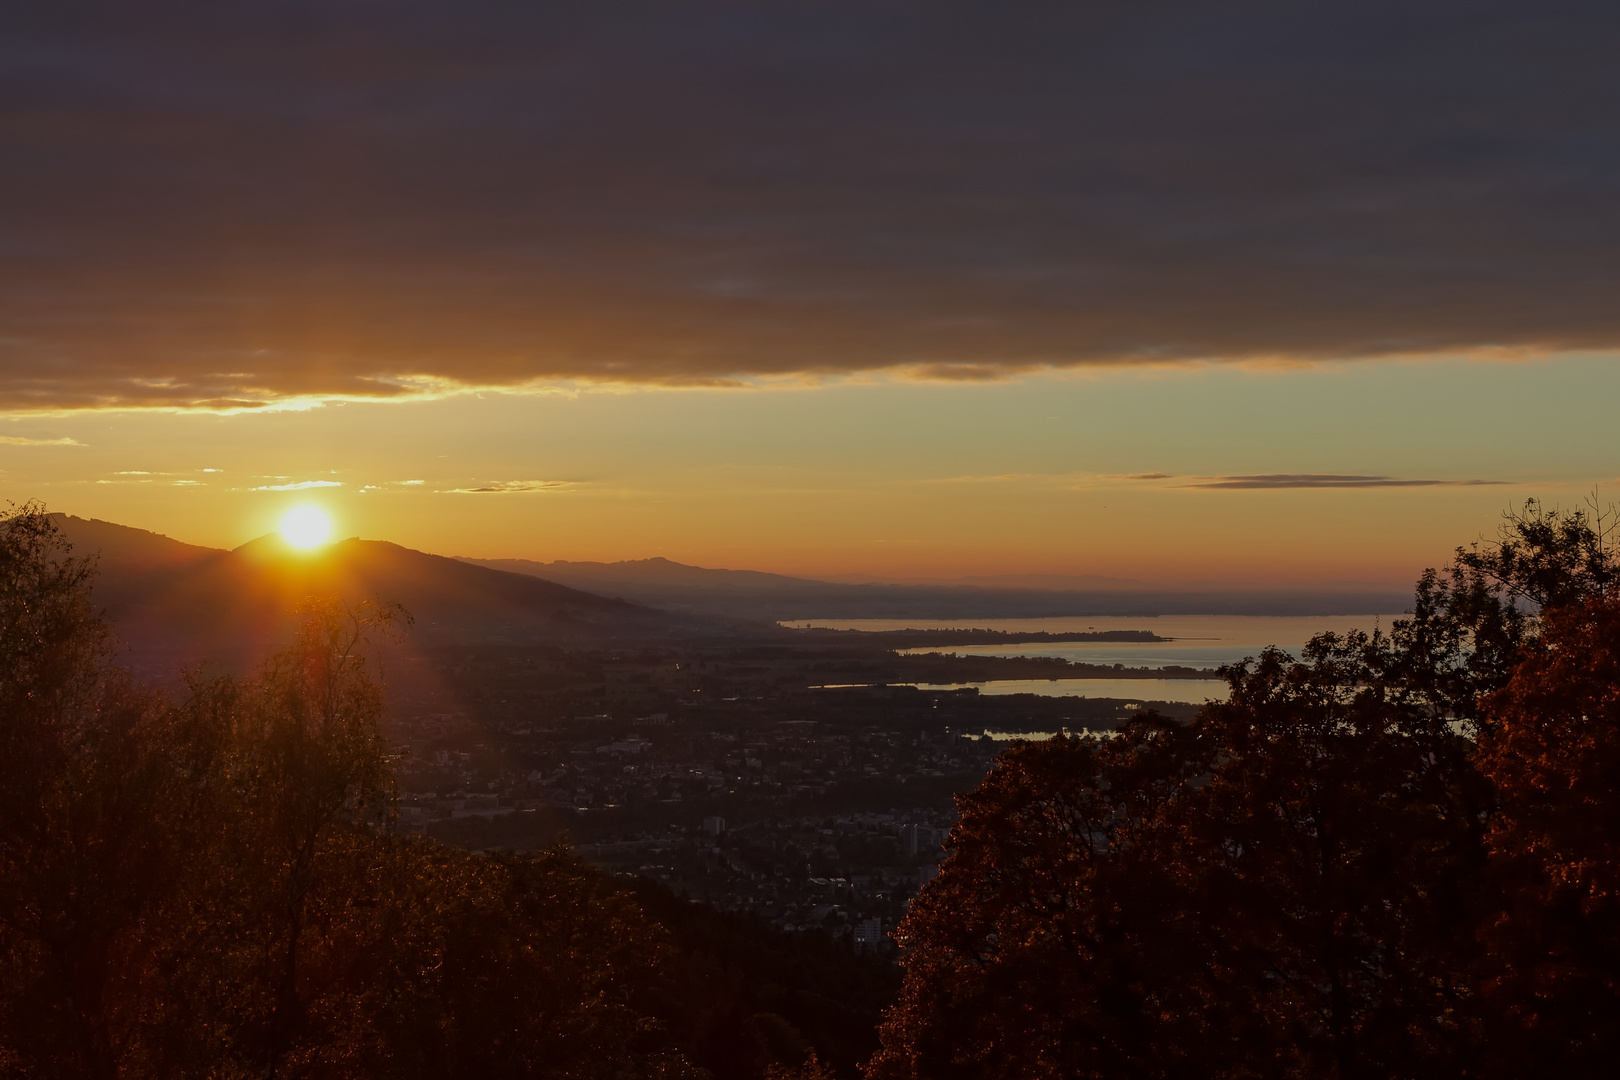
x=229, y=202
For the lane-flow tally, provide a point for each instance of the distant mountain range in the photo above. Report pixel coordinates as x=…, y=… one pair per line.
x=174, y=603
x=1054, y=582
x=178, y=603
x=750, y=594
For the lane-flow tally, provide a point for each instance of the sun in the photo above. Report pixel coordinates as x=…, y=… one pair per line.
x=306, y=527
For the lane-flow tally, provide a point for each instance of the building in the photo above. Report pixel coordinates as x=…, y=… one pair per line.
x=921, y=840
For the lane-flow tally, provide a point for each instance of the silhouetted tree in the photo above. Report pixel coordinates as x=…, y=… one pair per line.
x=1040, y=948
x=1293, y=885
x=1329, y=854
x=1470, y=624
x=209, y=887
x=309, y=759
x=1552, y=750
x=95, y=785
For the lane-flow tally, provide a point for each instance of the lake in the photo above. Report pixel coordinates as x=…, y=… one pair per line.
x=1199, y=641
x=1192, y=691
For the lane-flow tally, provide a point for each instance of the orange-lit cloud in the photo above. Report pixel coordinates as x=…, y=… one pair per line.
x=511, y=487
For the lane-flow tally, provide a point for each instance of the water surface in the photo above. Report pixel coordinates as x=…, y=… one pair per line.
x=1200, y=641
x=1191, y=691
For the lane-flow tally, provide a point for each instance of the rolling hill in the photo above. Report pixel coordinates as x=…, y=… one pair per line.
x=750, y=594
x=172, y=602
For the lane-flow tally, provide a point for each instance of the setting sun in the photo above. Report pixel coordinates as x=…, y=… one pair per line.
x=306, y=527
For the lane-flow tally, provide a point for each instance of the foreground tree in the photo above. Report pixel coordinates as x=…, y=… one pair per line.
x=1472, y=623
x=1295, y=885
x=311, y=762
x=1278, y=890
x=1040, y=949
x=1329, y=854
x=210, y=888
x=96, y=816
x=1552, y=751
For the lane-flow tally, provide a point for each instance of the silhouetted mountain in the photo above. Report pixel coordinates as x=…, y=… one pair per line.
x=749, y=594
x=657, y=580
x=172, y=602
x=127, y=547
x=1049, y=582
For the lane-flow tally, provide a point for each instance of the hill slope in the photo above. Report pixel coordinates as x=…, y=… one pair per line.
x=749, y=594
x=175, y=603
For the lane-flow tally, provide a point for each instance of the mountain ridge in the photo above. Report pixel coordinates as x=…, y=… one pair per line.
x=762, y=596
x=174, y=603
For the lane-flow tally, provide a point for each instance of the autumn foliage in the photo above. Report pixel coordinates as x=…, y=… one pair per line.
x=1553, y=754
x=1394, y=856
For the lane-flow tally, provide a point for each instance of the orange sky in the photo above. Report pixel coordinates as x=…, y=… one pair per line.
x=1123, y=473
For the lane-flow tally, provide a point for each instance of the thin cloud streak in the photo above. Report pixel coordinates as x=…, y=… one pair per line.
x=23, y=440
x=512, y=487
x=1280, y=481
x=302, y=485
x=1257, y=482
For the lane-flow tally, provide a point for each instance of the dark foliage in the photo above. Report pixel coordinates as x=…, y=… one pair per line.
x=210, y=887
x=1553, y=754
x=745, y=996
x=1393, y=856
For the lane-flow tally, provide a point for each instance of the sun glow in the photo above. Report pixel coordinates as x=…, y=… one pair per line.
x=306, y=527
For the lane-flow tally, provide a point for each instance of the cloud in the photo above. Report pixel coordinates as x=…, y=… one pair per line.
x=302, y=485
x=24, y=440
x=997, y=478
x=222, y=207
x=1272, y=481
x=958, y=372
x=1079, y=481
x=511, y=487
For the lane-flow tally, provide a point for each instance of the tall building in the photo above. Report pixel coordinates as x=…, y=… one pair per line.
x=869, y=932
x=918, y=840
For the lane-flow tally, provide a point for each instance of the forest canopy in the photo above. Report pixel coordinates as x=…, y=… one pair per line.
x=1392, y=856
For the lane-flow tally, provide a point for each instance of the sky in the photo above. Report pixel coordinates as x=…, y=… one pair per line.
x=1206, y=292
